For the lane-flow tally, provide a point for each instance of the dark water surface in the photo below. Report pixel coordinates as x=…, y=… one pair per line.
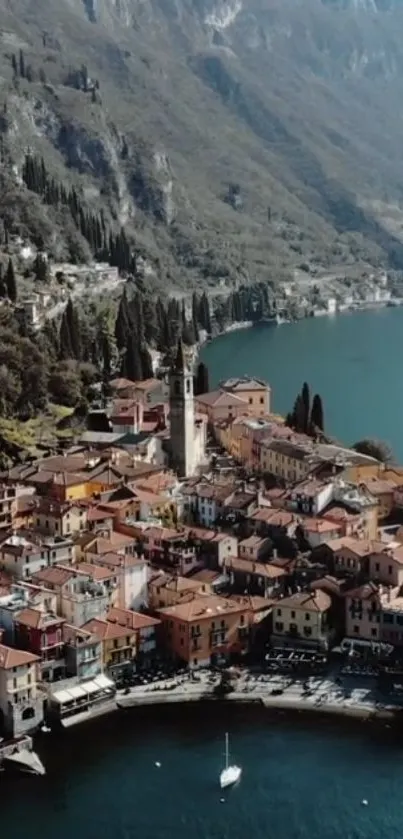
x=353, y=360
x=301, y=778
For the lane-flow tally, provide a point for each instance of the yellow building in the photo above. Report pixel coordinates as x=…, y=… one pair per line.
x=285, y=460
x=303, y=617
x=60, y=518
x=118, y=645
x=255, y=392
x=384, y=493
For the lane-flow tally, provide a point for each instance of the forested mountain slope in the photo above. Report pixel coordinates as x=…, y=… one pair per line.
x=232, y=140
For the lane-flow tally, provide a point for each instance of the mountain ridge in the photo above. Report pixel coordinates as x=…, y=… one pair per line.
x=183, y=104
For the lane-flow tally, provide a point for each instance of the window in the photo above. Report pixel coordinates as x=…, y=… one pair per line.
x=278, y=626
x=307, y=630
x=377, y=566
x=250, y=401
x=357, y=630
x=279, y=612
x=187, y=385
x=307, y=616
x=373, y=633
x=293, y=614
x=177, y=388
x=389, y=569
x=262, y=400
x=242, y=619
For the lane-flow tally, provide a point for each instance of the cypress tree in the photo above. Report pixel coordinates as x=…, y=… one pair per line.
x=201, y=380
x=22, y=64
x=40, y=268
x=195, y=316
x=10, y=281
x=106, y=357
x=132, y=367
x=298, y=415
x=317, y=421
x=305, y=396
x=14, y=64
x=147, y=371
x=122, y=323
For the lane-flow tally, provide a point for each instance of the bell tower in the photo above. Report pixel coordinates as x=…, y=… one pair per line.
x=181, y=412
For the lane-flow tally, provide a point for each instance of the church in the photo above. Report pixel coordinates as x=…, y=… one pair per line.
x=188, y=429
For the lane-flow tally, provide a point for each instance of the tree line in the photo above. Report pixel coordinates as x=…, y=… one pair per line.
x=105, y=244
x=307, y=417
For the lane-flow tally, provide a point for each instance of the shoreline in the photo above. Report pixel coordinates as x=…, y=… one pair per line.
x=345, y=310
x=325, y=699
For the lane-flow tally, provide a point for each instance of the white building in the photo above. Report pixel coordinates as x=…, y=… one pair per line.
x=21, y=703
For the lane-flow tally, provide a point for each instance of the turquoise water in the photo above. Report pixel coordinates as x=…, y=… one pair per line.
x=299, y=781
x=354, y=361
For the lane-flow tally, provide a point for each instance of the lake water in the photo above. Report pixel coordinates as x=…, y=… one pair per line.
x=301, y=780
x=353, y=360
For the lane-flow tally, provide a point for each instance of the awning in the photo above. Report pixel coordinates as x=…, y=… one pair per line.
x=76, y=692
x=91, y=687
x=103, y=682
x=62, y=696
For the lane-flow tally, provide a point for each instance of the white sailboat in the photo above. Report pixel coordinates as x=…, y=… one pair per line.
x=231, y=774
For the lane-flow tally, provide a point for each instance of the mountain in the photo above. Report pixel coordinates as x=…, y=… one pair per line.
x=231, y=139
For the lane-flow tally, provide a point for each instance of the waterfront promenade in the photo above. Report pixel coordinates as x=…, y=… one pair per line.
x=321, y=694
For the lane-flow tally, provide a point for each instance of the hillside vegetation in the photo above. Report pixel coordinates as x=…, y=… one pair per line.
x=232, y=140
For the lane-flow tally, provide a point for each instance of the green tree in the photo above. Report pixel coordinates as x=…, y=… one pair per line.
x=65, y=383
x=132, y=366
x=10, y=281
x=40, y=268
x=305, y=396
x=317, y=420
x=375, y=448
x=147, y=371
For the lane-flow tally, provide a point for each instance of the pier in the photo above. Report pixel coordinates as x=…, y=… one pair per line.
x=19, y=754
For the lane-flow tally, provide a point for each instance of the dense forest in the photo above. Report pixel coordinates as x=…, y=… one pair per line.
x=72, y=359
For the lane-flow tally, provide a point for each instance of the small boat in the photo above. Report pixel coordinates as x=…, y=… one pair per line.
x=231, y=774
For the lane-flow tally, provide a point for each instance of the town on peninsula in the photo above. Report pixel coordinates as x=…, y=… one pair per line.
x=190, y=544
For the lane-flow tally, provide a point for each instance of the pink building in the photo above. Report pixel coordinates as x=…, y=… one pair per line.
x=363, y=613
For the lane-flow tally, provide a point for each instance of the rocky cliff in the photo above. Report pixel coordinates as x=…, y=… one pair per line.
x=232, y=139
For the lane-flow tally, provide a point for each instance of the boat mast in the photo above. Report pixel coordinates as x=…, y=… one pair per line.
x=226, y=751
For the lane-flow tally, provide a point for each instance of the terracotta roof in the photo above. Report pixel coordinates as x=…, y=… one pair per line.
x=9, y=657
x=317, y=601
x=376, y=486
x=360, y=547
x=74, y=633
x=254, y=542
x=220, y=398
x=364, y=592
x=54, y=576
x=202, y=608
x=130, y=619
x=121, y=384
x=97, y=572
x=104, y=630
x=248, y=566
x=317, y=525
x=36, y=619
x=244, y=383
x=276, y=518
